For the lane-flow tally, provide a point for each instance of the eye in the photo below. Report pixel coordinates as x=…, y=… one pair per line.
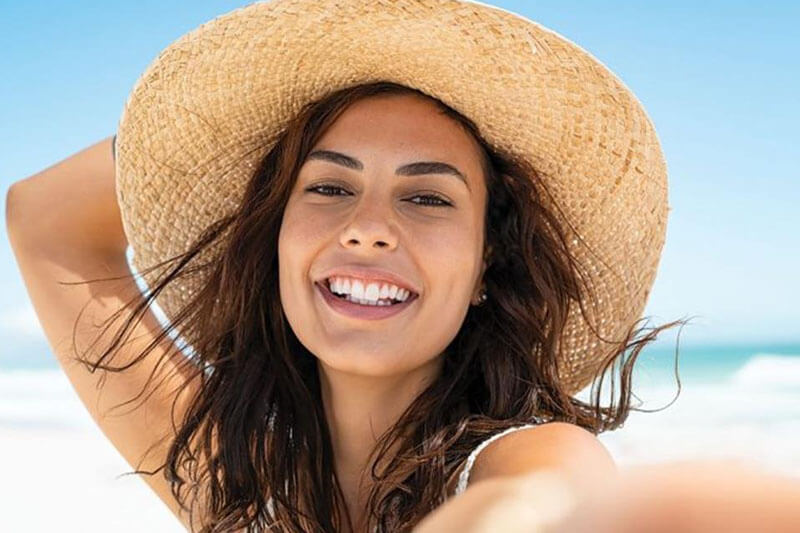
x=430, y=200
x=439, y=201
x=318, y=188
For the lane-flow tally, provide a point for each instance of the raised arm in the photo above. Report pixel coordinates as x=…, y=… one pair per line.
x=64, y=225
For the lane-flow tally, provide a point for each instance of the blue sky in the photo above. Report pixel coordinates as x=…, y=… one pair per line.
x=718, y=79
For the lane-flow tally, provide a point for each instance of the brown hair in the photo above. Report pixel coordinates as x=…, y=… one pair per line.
x=260, y=394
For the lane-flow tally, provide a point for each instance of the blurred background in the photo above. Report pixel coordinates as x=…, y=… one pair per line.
x=719, y=80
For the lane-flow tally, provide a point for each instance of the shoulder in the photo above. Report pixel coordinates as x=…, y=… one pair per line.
x=557, y=445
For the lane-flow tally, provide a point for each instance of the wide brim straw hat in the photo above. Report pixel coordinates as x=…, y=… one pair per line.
x=212, y=104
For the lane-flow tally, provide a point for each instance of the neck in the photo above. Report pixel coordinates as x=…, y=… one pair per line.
x=359, y=409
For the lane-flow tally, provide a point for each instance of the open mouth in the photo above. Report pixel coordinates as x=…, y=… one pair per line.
x=381, y=302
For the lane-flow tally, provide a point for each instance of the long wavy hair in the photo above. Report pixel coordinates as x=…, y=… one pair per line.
x=255, y=428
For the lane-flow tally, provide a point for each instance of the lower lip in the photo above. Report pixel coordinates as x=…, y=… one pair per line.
x=367, y=312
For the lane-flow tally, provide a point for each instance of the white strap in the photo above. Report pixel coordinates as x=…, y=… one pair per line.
x=463, y=478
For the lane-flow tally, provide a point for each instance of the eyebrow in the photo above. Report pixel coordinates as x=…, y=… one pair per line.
x=418, y=168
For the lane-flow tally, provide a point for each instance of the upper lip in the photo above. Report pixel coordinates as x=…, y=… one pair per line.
x=371, y=274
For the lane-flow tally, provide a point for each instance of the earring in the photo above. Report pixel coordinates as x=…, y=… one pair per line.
x=482, y=297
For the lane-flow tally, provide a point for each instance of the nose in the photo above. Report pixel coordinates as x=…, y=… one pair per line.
x=369, y=227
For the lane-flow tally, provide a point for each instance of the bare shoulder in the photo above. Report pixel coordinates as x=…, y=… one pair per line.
x=559, y=445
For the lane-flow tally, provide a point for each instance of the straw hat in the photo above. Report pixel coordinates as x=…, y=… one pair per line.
x=213, y=102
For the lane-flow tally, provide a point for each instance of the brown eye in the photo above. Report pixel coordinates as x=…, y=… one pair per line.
x=319, y=188
x=429, y=200
x=432, y=200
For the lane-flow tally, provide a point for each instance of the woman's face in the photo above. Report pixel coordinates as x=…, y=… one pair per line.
x=364, y=216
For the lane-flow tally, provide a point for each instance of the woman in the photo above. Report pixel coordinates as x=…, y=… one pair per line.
x=370, y=369
x=385, y=301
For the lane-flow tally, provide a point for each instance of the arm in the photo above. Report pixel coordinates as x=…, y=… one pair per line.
x=536, y=502
x=691, y=497
x=64, y=225
x=535, y=476
x=73, y=201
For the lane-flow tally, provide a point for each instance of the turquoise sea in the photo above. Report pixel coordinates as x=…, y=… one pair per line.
x=720, y=363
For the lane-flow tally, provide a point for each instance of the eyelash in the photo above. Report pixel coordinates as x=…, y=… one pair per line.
x=444, y=203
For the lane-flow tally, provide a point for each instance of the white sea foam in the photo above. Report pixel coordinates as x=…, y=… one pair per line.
x=40, y=398
x=753, y=416
x=769, y=370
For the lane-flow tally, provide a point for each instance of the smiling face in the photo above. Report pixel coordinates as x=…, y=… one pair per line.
x=362, y=200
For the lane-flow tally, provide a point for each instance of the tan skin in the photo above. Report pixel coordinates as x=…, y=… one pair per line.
x=369, y=374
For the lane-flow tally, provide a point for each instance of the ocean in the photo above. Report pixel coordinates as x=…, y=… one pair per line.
x=737, y=402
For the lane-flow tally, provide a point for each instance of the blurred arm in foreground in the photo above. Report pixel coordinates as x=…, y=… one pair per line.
x=684, y=497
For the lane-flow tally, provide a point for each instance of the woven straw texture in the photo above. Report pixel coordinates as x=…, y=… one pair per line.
x=213, y=102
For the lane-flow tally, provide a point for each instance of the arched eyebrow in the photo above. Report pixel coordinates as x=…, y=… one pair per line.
x=417, y=168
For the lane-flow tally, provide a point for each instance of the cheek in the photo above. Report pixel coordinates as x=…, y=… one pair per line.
x=451, y=249
x=297, y=241
x=303, y=232
x=302, y=227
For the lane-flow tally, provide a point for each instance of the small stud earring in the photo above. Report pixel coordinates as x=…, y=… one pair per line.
x=482, y=297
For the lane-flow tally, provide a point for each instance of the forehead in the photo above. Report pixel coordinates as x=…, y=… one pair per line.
x=408, y=125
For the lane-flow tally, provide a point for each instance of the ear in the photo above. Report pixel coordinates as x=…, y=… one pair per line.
x=479, y=283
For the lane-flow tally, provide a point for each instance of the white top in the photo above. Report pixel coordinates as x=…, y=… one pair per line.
x=463, y=478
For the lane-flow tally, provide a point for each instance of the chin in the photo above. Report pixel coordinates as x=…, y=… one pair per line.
x=365, y=364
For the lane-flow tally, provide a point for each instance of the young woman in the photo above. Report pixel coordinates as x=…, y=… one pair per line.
x=385, y=300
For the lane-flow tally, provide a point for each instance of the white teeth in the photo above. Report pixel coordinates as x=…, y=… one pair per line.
x=357, y=290
x=367, y=302
x=374, y=293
